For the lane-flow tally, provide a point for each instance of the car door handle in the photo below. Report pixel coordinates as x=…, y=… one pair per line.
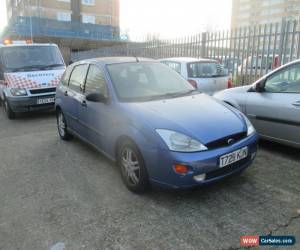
x=296, y=104
x=83, y=103
x=66, y=93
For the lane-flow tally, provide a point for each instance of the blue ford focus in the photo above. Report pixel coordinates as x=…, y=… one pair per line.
x=153, y=123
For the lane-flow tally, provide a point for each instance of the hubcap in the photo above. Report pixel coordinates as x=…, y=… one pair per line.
x=61, y=124
x=130, y=166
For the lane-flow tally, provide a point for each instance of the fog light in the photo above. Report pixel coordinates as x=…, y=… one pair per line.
x=253, y=155
x=200, y=177
x=180, y=169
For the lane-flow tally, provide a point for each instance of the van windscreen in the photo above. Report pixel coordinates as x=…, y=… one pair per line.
x=27, y=58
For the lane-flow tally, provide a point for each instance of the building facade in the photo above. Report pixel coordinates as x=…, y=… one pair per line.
x=78, y=24
x=255, y=12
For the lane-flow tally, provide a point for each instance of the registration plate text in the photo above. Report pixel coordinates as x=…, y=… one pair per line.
x=233, y=157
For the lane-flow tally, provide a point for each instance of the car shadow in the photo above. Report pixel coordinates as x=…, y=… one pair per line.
x=280, y=149
x=36, y=115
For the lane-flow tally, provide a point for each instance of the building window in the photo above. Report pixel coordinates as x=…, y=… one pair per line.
x=88, y=2
x=64, y=16
x=88, y=19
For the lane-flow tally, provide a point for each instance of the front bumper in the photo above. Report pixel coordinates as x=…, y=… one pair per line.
x=160, y=168
x=29, y=103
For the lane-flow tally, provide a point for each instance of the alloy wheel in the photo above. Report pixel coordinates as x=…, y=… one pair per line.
x=130, y=166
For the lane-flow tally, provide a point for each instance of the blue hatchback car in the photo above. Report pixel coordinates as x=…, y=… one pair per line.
x=153, y=123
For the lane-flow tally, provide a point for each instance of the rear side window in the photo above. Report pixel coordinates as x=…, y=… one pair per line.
x=77, y=78
x=206, y=70
x=66, y=76
x=174, y=65
x=95, y=81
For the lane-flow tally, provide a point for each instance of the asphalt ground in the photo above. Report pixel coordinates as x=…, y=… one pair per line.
x=65, y=195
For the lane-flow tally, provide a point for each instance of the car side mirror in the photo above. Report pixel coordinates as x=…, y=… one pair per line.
x=260, y=86
x=96, y=97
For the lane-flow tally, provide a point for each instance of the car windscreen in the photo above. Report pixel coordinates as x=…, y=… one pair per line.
x=142, y=81
x=27, y=58
x=206, y=70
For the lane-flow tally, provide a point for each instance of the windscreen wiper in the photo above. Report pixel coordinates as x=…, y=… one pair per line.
x=37, y=66
x=173, y=95
x=53, y=65
x=23, y=68
x=184, y=93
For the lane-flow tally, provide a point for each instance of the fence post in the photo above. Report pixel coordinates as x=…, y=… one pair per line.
x=281, y=40
x=203, y=44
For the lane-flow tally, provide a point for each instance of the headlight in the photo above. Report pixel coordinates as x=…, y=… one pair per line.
x=180, y=142
x=250, y=129
x=18, y=92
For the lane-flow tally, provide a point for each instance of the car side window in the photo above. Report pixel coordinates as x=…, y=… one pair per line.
x=95, y=81
x=286, y=80
x=77, y=78
x=173, y=65
x=66, y=76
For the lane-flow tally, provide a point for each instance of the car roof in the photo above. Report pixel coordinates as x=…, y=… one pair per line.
x=114, y=60
x=187, y=59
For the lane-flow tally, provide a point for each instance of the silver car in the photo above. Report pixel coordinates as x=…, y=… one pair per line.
x=272, y=104
x=209, y=76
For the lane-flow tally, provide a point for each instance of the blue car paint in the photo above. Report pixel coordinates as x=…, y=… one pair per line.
x=198, y=116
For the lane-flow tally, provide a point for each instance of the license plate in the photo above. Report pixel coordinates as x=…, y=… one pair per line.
x=46, y=100
x=233, y=157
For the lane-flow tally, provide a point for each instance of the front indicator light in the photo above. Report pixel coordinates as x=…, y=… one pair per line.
x=200, y=177
x=180, y=169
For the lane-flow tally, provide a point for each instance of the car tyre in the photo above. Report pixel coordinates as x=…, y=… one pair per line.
x=9, y=113
x=62, y=126
x=132, y=167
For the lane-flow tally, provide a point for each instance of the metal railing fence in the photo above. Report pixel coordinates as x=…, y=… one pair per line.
x=247, y=53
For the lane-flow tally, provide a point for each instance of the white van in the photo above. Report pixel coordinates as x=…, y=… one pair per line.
x=29, y=74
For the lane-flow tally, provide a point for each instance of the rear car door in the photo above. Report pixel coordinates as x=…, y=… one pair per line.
x=275, y=112
x=73, y=95
x=94, y=116
x=202, y=73
x=222, y=77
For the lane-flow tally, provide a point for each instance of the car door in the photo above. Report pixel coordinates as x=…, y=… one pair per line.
x=275, y=112
x=202, y=74
x=73, y=95
x=223, y=77
x=94, y=116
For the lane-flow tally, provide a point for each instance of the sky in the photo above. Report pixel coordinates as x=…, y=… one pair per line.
x=173, y=18
x=166, y=18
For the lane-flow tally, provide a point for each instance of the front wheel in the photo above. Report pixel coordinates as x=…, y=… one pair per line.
x=62, y=126
x=9, y=113
x=132, y=167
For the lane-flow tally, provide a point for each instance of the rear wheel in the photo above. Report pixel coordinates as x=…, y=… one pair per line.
x=62, y=126
x=9, y=113
x=132, y=167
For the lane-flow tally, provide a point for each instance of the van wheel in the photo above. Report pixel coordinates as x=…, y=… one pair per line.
x=132, y=167
x=9, y=113
x=62, y=126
